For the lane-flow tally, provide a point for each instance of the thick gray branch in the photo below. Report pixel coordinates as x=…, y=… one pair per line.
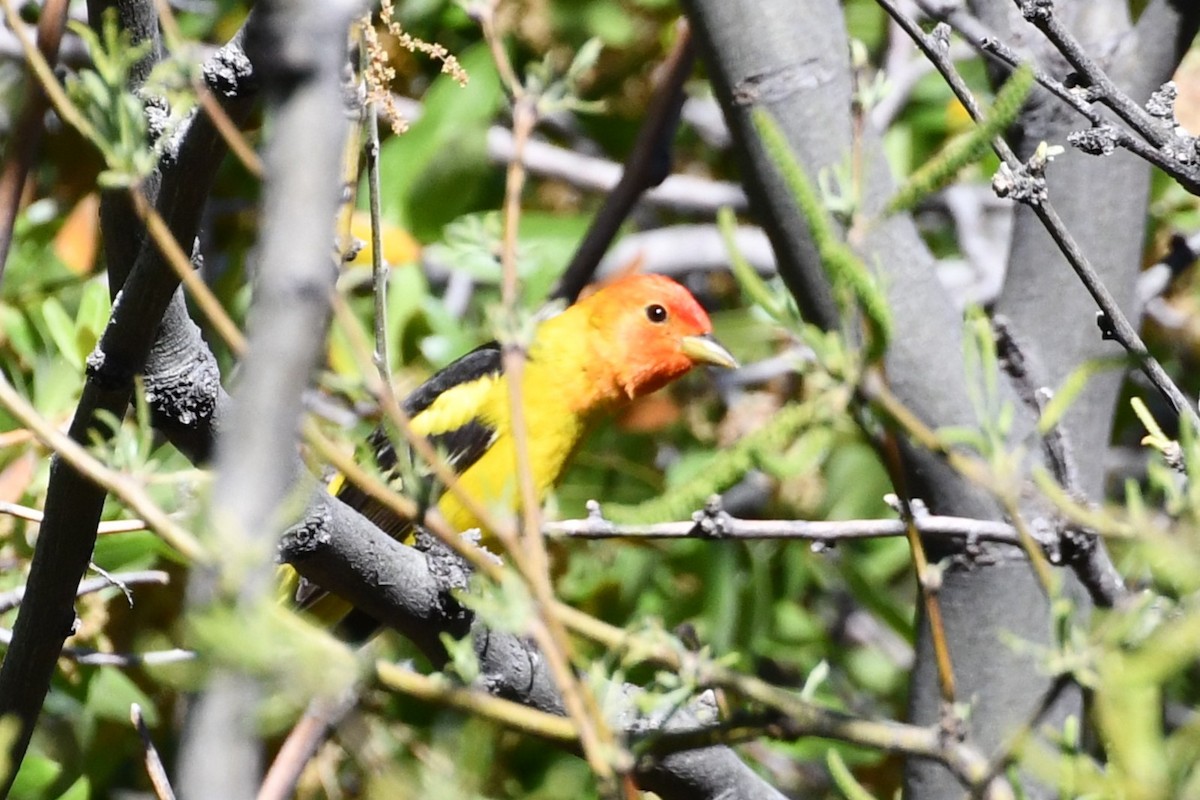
x=792, y=59
x=410, y=590
x=298, y=49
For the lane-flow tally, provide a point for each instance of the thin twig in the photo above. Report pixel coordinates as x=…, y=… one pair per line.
x=94, y=658
x=26, y=134
x=379, y=271
x=396, y=503
x=1007, y=754
x=1080, y=548
x=225, y=127
x=893, y=461
x=967, y=764
x=438, y=689
x=159, y=231
x=1037, y=557
x=13, y=597
x=301, y=745
x=44, y=73
x=103, y=529
x=1043, y=17
x=203, y=296
x=547, y=637
x=1097, y=574
x=1102, y=132
x=597, y=740
x=442, y=471
x=154, y=765
x=229, y=131
x=495, y=42
x=823, y=531
x=1122, y=330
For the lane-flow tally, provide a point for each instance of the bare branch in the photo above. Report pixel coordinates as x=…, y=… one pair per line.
x=301, y=745
x=299, y=50
x=96, y=658
x=154, y=765
x=817, y=531
x=1025, y=184
x=647, y=166
x=12, y=598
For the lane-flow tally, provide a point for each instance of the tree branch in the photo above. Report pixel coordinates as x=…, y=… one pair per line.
x=299, y=51
x=73, y=503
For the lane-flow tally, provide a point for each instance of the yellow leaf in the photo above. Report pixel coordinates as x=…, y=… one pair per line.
x=399, y=247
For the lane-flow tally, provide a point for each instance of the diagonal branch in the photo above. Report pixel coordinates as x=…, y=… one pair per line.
x=73, y=502
x=649, y=163
x=1035, y=197
x=299, y=49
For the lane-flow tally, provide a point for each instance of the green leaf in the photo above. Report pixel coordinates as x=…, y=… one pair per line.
x=134, y=550
x=752, y=285
x=407, y=292
x=452, y=181
x=816, y=677
x=111, y=693
x=81, y=789
x=454, y=117
x=35, y=777
x=847, y=272
x=462, y=660
x=585, y=58
x=504, y=606
x=845, y=781
x=18, y=332
x=61, y=328
x=1071, y=387
x=94, y=309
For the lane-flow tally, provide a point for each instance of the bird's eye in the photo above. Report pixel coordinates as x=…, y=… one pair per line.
x=656, y=313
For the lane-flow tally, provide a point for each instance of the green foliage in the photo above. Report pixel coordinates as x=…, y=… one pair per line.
x=852, y=282
x=295, y=659
x=850, y=788
x=777, y=609
x=505, y=606
x=438, y=170
x=779, y=305
x=722, y=470
x=968, y=148
x=1072, y=387
x=120, y=127
x=555, y=93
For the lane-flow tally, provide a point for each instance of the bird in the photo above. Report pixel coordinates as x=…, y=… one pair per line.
x=626, y=340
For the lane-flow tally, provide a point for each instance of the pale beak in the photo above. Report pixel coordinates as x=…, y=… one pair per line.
x=707, y=350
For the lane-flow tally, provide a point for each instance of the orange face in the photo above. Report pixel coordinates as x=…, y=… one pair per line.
x=653, y=331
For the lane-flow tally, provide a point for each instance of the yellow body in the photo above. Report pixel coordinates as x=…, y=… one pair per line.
x=559, y=401
x=624, y=341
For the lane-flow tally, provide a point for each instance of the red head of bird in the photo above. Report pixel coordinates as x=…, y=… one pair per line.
x=645, y=331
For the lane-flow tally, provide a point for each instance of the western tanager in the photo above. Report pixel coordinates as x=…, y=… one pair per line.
x=626, y=340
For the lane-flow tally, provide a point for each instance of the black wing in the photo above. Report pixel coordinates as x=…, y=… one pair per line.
x=462, y=445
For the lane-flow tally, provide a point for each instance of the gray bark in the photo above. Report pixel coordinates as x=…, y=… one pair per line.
x=792, y=59
x=298, y=49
